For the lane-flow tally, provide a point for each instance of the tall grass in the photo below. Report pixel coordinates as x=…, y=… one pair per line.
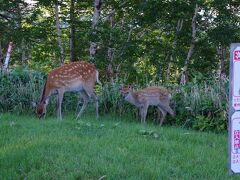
x=201, y=104
x=18, y=89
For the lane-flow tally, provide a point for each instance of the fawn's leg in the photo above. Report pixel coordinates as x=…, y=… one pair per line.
x=164, y=113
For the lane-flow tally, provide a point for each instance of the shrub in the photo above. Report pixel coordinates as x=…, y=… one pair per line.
x=18, y=88
x=202, y=105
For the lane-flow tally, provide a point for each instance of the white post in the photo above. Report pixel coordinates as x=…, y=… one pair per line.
x=5, y=66
x=234, y=110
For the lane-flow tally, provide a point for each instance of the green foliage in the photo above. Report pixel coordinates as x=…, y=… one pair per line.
x=201, y=104
x=142, y=38
x=111, y=100
x=18, y=89
x=110, y=147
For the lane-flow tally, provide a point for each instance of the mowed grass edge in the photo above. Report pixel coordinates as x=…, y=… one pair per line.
x=109, y=148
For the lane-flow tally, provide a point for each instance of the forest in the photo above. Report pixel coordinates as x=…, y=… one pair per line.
x=180, y=44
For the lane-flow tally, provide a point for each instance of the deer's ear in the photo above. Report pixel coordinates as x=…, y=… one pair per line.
x=33, y=104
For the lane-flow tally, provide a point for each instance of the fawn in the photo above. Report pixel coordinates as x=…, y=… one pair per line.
x=150, y=96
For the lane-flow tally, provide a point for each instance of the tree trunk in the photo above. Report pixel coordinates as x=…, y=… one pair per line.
x=72, y=31
x=96, y=16
x=110, y=71
x=192, y=45
x=169, y=66
x=1, y=56
x=59, y=34
x=23, y=49
x=22, y=46
x=222, y=54
x=174, y=46
x=6, y=62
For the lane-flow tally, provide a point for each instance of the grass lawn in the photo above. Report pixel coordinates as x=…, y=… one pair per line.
x=108, y=148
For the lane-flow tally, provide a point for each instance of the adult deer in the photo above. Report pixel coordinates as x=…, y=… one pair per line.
x=150, y=96
x=77, y=76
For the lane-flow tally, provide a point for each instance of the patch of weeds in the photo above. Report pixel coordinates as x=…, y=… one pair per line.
x=149, y=133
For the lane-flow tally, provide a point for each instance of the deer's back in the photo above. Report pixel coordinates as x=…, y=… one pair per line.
x=72, y=74
x=152, y=95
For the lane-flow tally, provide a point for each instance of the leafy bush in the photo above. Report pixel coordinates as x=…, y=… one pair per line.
x=18, y=88
x=202, y=105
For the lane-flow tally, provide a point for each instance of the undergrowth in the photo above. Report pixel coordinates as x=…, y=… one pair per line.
x=201, y=104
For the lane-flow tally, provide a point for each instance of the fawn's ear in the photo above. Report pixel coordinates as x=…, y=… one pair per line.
x=33, y=104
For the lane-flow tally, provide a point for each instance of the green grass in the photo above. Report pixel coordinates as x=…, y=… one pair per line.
x=111, y=148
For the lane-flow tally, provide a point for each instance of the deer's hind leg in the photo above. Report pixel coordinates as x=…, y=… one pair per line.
x=85, y=102
x=95, y=99
x=164, y=113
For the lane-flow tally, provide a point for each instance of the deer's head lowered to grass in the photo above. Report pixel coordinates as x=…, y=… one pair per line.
x=77, y=76
x=151, y=96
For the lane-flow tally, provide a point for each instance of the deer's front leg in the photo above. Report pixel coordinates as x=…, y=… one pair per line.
x=141, y=114
x=59, y=104
x=145, y=109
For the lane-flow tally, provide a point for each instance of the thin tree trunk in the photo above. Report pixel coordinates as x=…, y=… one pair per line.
x=96, y=16
x=6, y=62
x=22, y=46
x=110, y=70
x=192, y=45
x=174, y=45
x=169, y=67
x=222, y=54
x=72, y=31
x=23, y=49
x=1, y=55
x=59, y=34
x=113, y=11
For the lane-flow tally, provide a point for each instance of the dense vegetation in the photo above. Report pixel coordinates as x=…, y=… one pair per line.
x=111, y=148
x=137, y=40
x=199, y=105
x=180, y=44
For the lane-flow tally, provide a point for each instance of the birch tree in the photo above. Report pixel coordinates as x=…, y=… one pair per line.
x=59, y=33
x=72, y=31
x=95, y=21
x=174, y=45
x=192, y=45
x=1, y=55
